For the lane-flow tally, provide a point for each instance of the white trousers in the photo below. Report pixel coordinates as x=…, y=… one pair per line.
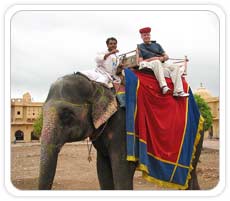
x=162, y=70
x=100, y=75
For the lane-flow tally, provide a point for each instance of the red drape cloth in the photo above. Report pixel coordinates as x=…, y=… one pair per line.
x=160, y=119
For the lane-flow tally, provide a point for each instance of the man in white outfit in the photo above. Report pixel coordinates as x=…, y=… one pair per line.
x=151, y=55
x=107, y=62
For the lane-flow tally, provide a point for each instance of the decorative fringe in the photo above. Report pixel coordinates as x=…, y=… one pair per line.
x=165, y=184
x=110, y=110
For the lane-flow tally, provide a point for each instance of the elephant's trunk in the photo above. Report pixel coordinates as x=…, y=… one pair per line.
x=48, y=163
x=49, y=151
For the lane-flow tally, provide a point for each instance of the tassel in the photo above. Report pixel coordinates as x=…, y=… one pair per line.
x=89, y=150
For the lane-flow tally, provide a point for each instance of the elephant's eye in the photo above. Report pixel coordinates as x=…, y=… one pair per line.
x=66, y=116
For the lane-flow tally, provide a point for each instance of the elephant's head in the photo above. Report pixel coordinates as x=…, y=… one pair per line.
x=74, y=109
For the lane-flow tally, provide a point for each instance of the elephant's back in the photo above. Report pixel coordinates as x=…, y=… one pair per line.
x=74, y=87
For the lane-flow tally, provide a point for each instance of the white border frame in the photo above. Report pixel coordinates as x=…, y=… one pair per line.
x=57, y=193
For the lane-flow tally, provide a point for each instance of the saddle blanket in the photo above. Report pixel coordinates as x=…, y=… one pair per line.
x=162, y=131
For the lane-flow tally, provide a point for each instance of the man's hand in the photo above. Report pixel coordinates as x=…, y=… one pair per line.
x=121, y=65
x=111, y=52
x=161, y=59
x=119, y=69
x=152, y=59
x=114, y=51
x=156, y=58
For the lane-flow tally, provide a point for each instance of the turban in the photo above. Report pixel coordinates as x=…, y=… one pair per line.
x=145, y=30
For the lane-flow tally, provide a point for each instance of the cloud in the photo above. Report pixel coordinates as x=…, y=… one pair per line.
x=48, y=44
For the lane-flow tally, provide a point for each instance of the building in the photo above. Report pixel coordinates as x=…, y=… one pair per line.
x=23, y=114
x=213, y=103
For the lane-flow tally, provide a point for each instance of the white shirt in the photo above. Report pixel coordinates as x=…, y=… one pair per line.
x=109, y=64
x=106, y=69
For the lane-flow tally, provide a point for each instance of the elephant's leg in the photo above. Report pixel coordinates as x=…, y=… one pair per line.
x=193, y=183
x=104, y=172
x=123, y=172
x=122, y=169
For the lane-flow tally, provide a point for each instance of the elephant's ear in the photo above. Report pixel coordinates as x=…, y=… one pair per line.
x=104, y=105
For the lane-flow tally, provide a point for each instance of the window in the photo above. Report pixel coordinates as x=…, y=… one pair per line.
x=18, y=112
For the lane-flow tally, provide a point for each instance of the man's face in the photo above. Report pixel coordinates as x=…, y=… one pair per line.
x=112, y=45
x=146, y=37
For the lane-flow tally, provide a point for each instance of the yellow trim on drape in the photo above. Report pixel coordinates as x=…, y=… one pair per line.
x=135, y=113
x=161, y=183
x=169, y=162
x=121, y=92
x=144, y=168
x=182, y=141
x=197, y=140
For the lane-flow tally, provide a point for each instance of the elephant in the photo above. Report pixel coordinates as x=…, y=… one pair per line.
x=70, y=113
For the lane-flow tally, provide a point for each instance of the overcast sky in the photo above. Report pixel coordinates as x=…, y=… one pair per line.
x=46, y=45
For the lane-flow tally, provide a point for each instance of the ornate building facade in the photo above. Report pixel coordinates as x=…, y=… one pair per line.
x=213, y=103
x=23, y=114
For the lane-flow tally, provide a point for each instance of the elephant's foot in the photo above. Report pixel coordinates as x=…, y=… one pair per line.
x=104, y=172
x=193, y=183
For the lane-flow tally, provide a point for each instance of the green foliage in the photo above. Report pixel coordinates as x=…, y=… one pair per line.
x=205, y=111
x=38, y=126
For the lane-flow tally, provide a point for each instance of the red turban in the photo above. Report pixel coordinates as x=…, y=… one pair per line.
x=145, y=30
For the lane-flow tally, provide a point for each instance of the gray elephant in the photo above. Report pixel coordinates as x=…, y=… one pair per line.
x=77, y=108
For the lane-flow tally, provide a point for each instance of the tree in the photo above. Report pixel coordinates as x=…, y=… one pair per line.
x=205, y=111
x=38, y=126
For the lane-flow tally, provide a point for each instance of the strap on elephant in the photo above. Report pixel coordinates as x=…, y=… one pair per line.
x=89, y=150
x=93, y=138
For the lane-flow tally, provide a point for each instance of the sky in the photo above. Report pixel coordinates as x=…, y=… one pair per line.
x=46, y=45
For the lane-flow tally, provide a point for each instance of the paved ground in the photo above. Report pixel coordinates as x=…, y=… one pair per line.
x=211, y=143
x=208, y=143
x=74, y=172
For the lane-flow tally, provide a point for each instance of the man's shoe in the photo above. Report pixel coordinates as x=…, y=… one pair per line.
x=181, y=94
x=166, y=90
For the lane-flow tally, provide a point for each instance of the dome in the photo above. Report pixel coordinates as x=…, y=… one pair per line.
x=203, y=92
x=26, y=97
